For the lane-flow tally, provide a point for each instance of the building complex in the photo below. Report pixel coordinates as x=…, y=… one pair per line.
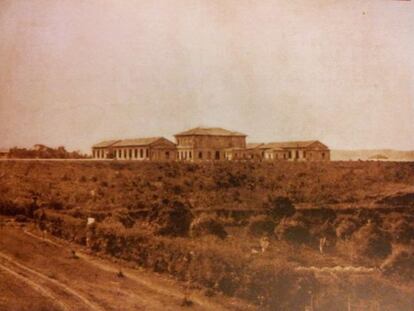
x=209, y=144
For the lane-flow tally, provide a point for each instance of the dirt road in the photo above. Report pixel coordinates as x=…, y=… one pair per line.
x=50, y=277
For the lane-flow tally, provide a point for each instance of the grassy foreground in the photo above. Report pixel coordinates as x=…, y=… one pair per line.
x=283, y=236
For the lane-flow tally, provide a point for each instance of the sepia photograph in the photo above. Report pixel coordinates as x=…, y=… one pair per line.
x=163, y=155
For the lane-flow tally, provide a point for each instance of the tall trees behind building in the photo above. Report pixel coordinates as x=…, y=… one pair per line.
x=45, y=152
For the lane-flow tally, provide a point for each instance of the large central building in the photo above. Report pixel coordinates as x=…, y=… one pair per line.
x=200, y=144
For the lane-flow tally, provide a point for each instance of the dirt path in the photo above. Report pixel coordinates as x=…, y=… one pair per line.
x=51, y=287
x=86, y=282
x=36, y=287
x=132, y=274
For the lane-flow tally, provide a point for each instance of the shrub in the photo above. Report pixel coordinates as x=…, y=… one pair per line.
x=278, y=287
x=402, y=231
x=55, y=204
x=171, y=217
x=20, y=218
x=124, y=218
x=400, y=263
x=325, y=229
x=369, y=241
x=207, y=225
x=345, y=227
x=261, y=225
x=279, y=207
x=10, y=208
x=293, y=231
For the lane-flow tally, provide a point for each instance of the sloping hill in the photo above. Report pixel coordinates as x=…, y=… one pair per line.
x=373, y=154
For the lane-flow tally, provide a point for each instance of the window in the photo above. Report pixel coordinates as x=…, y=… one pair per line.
x=167, y=154
x=200, y=155
x=323, y=155
x=297, y=154
x=290, y=154
x=125, y=153
x=136, y=153
x=190, y=154
x=130, y=153
x=217, y=156
x=141, y=153
x=147, y=153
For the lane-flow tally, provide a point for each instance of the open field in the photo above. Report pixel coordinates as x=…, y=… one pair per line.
x=278, y=236
x=51, y=277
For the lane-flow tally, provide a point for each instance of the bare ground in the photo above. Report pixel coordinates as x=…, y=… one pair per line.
x=50, y=276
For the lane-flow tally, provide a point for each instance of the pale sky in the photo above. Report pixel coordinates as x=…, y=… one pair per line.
x=74, y=72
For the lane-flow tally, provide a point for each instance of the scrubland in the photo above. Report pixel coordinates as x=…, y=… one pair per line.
x=280, y=236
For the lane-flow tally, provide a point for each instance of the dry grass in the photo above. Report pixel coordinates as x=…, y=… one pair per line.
x=140, y=207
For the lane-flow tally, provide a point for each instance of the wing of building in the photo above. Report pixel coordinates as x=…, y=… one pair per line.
x=312, y=150
x=148, y=148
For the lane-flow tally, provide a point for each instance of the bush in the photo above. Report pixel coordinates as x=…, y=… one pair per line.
x=402, y=231
x=324, y=231
x=207, y=225
x=261, y=225
x=10, y=208
x=370, y=242
x=55, y=204
x=278, y=287
x=20, y=218
x=293, y=231
x=171, y=217
x=345, y=227
x=400, y=263
x=279, y=207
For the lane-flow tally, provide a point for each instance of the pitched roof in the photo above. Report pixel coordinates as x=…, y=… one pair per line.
x=273, y=148
x=137, y=141
x=291, y=144
x=253, y=145
x=106, y=143
x=209, y=131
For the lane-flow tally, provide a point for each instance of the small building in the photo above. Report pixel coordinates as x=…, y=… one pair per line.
x=150, y=149
x=207, y=144
x=312, y=150
x=4, y=153
x=254, y=151
x=104, y=149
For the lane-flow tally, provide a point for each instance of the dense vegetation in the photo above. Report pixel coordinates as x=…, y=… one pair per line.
x=265, y=232
x=44, y=152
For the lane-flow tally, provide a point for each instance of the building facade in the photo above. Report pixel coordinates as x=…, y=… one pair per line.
x=104, y=150
x=140, y=149
x=312, y=150
x=209, y=144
